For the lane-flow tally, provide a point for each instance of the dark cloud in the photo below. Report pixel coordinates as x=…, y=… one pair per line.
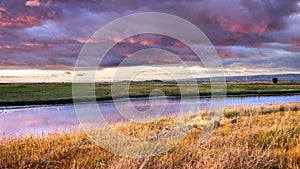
x=50, y=33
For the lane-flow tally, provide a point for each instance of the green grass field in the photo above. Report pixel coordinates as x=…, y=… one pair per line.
x=24, y=94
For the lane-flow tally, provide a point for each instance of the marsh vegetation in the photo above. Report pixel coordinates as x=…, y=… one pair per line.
x=248, y=137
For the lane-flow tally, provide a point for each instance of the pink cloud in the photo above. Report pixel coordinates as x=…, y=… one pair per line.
x=240, y=23
x=32, y=3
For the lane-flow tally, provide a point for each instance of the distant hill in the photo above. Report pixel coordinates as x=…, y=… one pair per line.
x=259, y=78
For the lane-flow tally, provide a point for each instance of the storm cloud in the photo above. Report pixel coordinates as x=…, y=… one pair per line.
x=48, y=34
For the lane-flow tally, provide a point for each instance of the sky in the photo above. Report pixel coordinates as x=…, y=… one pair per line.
x=40, y=40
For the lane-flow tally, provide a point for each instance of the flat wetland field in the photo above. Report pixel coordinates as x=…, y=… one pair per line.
x=60, y=93
x=247, y=137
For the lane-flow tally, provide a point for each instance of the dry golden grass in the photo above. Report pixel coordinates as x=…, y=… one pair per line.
x=248, y=137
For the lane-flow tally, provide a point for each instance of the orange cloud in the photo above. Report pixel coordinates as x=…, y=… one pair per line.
x=20, y=21
x=33, y=3
x=6, y=47
x=228, y=55
x=145, y=42
x=83, y=41
x=32, y=44
x=240, y=27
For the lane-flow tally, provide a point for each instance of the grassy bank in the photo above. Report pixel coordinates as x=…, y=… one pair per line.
x=248, y=137
x=26, y=94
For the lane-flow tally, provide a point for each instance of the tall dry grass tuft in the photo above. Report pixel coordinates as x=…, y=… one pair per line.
x=250, y=137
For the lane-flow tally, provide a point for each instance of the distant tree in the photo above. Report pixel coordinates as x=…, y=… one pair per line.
x=275, y=80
